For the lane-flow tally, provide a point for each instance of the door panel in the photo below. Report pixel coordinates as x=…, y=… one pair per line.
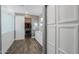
x=51, y=14
x=51, y=48
x=51, y=34
x=67, y=29
x=51, y=39
x=62, y=29
x=68, y=13
x=19, y=26
x=51, y=29
x=68, y=41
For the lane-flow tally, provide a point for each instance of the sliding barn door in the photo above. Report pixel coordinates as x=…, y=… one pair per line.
x=62, y=29
x=67, y=29
x=19, y=27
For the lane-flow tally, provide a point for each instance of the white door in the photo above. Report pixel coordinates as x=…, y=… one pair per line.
x=62, y=29
x=19, y=27
x=67, y=29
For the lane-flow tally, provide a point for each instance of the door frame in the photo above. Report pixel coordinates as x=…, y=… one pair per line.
x=45, y=30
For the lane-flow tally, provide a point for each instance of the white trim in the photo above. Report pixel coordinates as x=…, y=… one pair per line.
x=61, y=50
x=57, y=18
x=68, y=25
x=51, y=43
x=76, y=31
x=68, y=20
x=53, y=48
x=51, y=25
x=19, y=39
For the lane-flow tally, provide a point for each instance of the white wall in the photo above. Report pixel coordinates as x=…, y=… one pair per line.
x=41, y=30
x=37, y=28
x=35, y=25
x=7, y=28
x=39, y=37
x=40, y=34
x=31, y=9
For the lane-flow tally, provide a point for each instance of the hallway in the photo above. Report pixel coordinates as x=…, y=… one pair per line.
x=27, y=46
x=55, y=27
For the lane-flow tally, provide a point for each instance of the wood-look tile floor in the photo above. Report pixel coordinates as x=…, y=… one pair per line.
x=27, y=46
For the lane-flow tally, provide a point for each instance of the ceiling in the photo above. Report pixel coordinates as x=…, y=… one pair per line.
x=28, y=9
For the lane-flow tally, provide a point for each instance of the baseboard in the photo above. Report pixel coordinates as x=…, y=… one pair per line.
x=19, y=39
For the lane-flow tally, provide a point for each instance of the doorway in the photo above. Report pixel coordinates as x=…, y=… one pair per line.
x=27, y=27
